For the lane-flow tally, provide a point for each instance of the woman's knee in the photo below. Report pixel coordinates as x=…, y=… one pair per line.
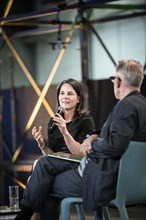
x=42, y=161
x=34, y=164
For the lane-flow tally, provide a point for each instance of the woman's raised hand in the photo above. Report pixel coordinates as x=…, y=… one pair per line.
x=38, y=136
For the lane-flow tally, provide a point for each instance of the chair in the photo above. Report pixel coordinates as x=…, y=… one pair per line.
x=131, y=185
x=67, y=204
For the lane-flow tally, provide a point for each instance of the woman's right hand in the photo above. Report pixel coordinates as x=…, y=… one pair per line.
x=38, y=136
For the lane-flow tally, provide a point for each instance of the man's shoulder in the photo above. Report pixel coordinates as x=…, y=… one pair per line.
x=133, y=99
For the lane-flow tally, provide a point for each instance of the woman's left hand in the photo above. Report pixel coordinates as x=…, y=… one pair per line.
x=60, y=122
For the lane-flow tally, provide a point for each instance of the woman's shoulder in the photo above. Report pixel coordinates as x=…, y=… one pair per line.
x=85, y=118
x=85, y=115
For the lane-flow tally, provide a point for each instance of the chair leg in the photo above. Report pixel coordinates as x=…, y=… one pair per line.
x=99, y=214
x=123, y=212
x=80, y=211
x=106, y=213
x=102, y=213
x=65, y=211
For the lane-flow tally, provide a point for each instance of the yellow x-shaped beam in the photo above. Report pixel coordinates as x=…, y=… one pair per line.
x=42, y=94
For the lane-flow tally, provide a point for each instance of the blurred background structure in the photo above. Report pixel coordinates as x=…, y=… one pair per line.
x=43, y=42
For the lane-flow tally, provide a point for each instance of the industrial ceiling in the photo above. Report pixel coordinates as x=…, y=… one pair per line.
x=22, y=18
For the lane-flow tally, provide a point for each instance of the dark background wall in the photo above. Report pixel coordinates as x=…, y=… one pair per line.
x=102, y=100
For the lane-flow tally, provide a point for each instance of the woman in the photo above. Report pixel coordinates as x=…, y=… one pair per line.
x=66, y=136
x=71, y=127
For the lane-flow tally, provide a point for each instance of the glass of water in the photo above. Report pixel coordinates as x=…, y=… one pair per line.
x=14, y=198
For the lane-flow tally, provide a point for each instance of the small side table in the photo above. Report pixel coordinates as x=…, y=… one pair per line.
x=6, y=213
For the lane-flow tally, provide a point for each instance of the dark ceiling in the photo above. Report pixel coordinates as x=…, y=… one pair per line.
x=22, y=16
x=18, y=7
x=21, y=7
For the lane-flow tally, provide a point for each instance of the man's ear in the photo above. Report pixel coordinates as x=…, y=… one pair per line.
x=118, y=83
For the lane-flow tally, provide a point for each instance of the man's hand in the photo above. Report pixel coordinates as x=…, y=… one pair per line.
x=86, y=146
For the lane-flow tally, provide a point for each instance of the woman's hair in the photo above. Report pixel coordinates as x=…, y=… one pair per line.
x=81, y=107
x=132, y=72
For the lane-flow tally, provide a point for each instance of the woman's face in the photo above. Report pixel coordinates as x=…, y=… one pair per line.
x=68, y=97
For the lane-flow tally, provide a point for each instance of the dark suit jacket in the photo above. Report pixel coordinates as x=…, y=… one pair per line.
x=126, y=122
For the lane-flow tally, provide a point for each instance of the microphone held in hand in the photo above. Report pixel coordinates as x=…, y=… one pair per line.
x=60, y=111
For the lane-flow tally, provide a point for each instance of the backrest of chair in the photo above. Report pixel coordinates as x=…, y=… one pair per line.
x=131, y=186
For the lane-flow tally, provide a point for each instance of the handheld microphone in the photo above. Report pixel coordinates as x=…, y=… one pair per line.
x=60, y=111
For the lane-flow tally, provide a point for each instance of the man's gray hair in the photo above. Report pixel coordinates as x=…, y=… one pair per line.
x=131, y=71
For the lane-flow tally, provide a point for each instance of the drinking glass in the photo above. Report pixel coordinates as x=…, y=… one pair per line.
x=14, y=198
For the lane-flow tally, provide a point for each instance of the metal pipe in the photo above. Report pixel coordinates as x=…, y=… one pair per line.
x=102, y=43
x=7, y=10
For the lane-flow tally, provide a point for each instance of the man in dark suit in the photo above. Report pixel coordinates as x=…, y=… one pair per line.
x=126, y=122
